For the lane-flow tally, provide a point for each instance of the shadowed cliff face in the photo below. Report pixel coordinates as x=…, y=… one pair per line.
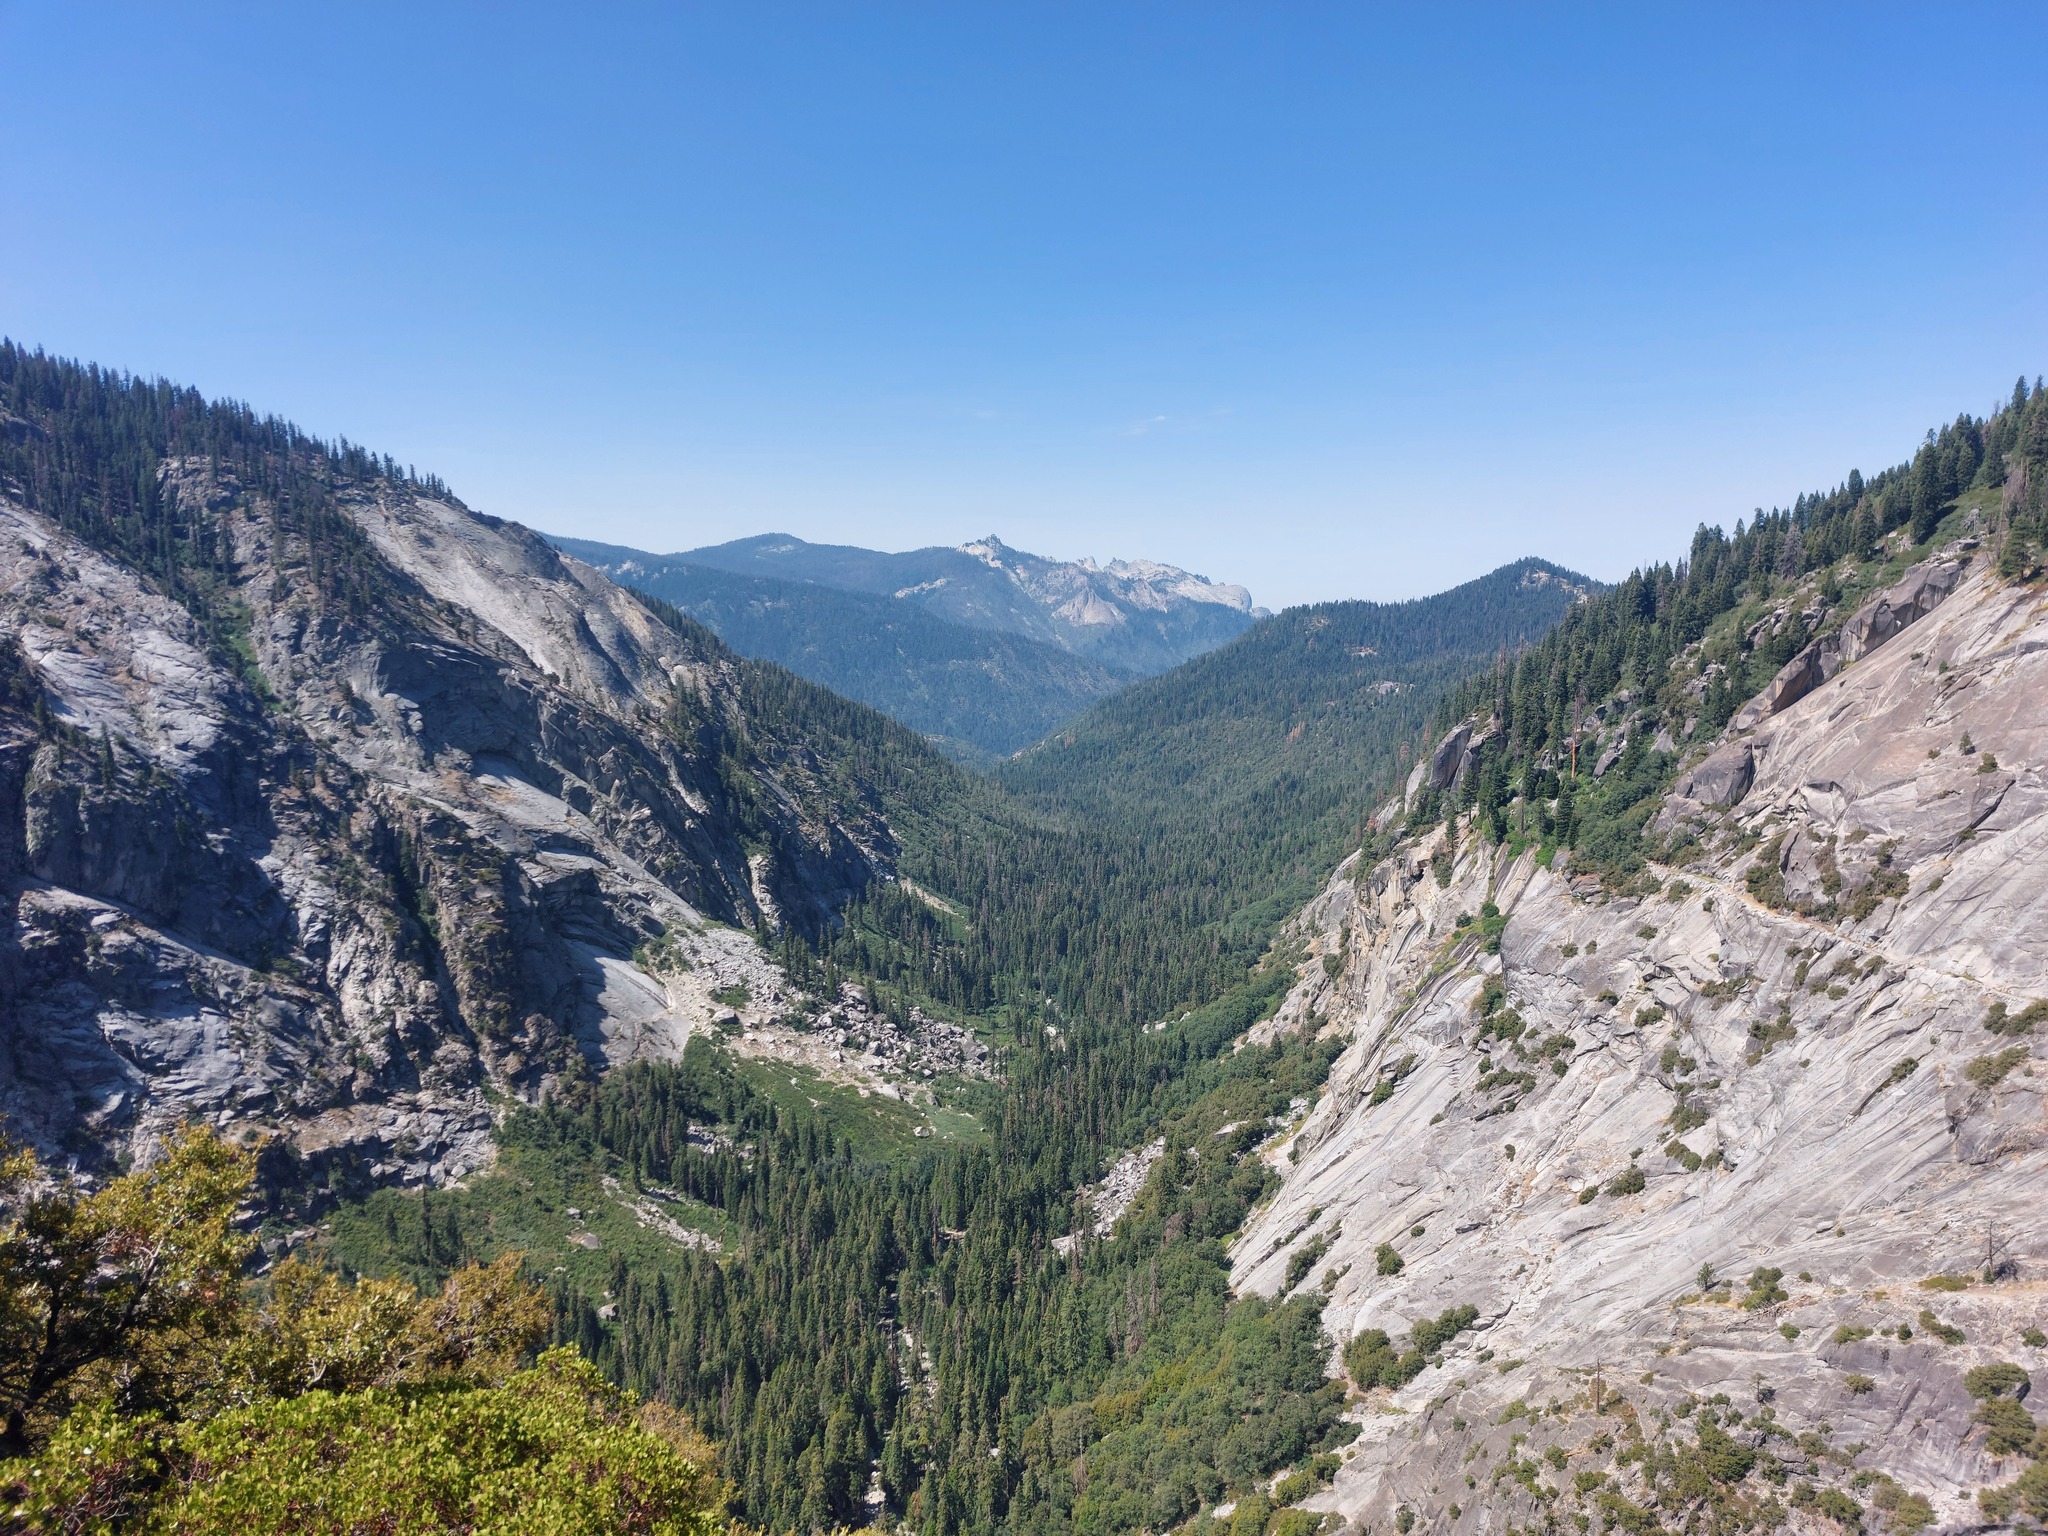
x=1795, y=1063
x=328, y=881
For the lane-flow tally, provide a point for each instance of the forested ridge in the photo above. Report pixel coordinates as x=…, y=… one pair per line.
x=894, y=1331
x=1727, y=606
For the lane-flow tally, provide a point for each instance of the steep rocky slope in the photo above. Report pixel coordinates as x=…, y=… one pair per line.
x=408, y=815
x=1694, y=1145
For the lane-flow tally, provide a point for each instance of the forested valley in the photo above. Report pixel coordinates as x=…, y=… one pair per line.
x=888, y=1331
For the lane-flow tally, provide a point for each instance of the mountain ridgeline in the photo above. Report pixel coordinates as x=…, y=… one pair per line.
x=982, y=648
x=1252, y=768
x=978, y=694
x=1133, y=616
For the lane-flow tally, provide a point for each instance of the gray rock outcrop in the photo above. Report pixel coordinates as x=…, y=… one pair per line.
x=1915, y=595
x=392, y=851
x=1774, y=1073
x=1723, y=778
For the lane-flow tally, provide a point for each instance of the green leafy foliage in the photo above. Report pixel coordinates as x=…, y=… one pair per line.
x=1372, y=1360
x=123, y=1297
x=1999, y=1022
x=148, y=1390
x=556, y=1447
x=1764, y=1289
x=1948, y=1333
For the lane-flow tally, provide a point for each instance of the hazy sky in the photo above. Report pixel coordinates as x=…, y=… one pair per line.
x=1331, y=300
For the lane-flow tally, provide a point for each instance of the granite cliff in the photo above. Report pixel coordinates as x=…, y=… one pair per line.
x=1739, y=1158
x=368, y=812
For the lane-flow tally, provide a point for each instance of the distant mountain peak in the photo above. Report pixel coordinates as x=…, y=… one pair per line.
x=1149, y=584
x=1135, y=617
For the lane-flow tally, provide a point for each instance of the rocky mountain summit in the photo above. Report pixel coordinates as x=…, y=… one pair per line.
x=1135, y=617
x=366, y=811
x=1737, y=1163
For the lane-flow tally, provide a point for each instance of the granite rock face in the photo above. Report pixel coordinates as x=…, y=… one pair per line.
x=1788, y=1068
x=331, y=884
x=1915, y=595
x=1724, y=778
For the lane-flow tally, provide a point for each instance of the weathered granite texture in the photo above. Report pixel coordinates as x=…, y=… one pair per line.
x=403, y=856
x=1788, y=1041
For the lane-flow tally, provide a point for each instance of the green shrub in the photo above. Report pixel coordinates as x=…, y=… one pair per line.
x=1386, y=1260
x=1839, y=1507
x=1945, y=1283
x=2034, y=1338
x=2032, y=1488
x=1686, y=1116
x=1372, y=1362
x=1764, y=1289
x=1429, y=1337
x=1849, y=1333
x=1765, y=1035
x=1589, y=1194
x=1790, y=1330
x=1305, y=1258
x=1297, y=1484
x=1726, y=1460
x=1989, y=1071
x=1251, y=1516
x=1683, y=1155
x=1946, y=1332
x=555, y=1448
x=1629, y=1181
x=1858, y=1383
x=1908, y=1512
x=2009, y=1428
x=2028, y=1491
x=1999, y=1022
x=2001, y=1380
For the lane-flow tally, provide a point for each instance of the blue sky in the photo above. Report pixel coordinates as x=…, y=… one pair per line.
x=1331, y=300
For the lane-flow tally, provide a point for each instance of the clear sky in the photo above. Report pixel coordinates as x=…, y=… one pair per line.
x=1331, y=300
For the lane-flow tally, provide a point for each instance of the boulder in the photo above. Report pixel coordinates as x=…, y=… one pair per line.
x=1793, y=682
x=1915, y=595
x=1449, y=759
x=1723, y=778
